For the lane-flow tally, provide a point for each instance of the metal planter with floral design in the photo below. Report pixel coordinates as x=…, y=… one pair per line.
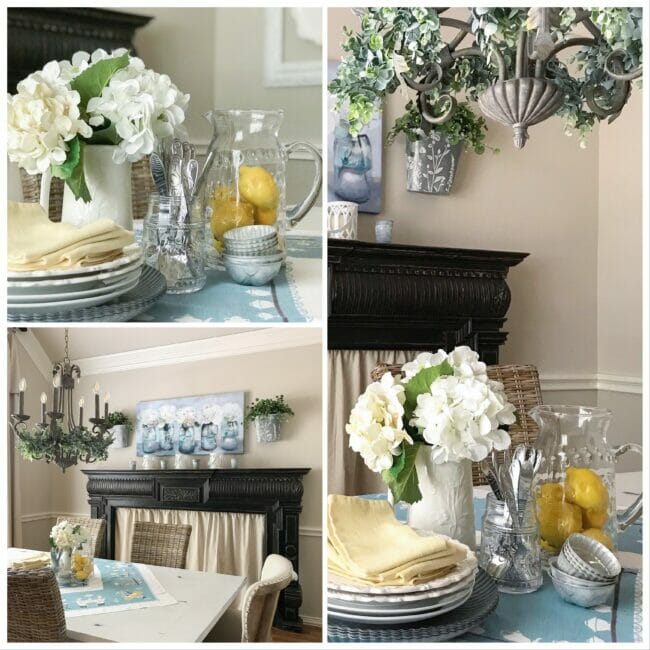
x=267, y=427
x=431, y=164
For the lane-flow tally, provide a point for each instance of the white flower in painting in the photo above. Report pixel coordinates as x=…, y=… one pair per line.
x=41, y=117
x=168, y=414
x=68, y=536
x=232, y=412
x=376, y=427
x=212, y=413
x=150, y=418
x=186, y=417
x=424, y=360
x=461, y=418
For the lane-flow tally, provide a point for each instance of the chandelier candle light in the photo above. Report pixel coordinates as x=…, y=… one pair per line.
x=50, y=441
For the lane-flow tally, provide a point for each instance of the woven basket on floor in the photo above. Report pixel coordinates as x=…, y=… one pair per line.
x=141, y=186
x=521, y=385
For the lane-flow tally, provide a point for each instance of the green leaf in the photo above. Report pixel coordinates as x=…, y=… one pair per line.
x=93, y=80
x=402, y=478
x=65, y=170
x=107, y=135
x=77, y=180
x=421, y=383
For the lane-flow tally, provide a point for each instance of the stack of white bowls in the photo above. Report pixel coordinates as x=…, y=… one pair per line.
x=585, y=572
x=252, y=254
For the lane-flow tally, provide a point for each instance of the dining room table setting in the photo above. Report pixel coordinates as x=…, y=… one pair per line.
x=481, y=536
x=122, y=217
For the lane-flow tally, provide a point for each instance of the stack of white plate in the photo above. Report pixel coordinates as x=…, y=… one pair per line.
x=406, y=604
x=37, y=292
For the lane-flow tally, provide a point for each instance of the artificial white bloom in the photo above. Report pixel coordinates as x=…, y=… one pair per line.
x=42, y=116
x=186, y=417
x=144, y=106
x=461, y=418
x=150, y=418
x=68, y=536
x=211, y=413
x=423, y=360
x=466, y=363
x=232, y=412
x=376, y=427
x=168, y=414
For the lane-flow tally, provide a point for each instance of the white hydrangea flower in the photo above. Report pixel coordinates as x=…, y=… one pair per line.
x=150, y=418
x=186, y=417
x=466, y=363
x=144, y=106
x=211, y=413
x=232, y=412
x=376, y=427
x=423, y=360
x=68, y=536
x=168, y=414
x=42, y=116
x=461, y=418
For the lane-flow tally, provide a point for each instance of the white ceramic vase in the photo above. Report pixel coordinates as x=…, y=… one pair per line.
x=447, y=505
x=110, y=190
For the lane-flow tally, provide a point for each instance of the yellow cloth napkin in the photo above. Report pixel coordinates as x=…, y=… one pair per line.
x=368, y=545
x=34, y=242
x=33, y=561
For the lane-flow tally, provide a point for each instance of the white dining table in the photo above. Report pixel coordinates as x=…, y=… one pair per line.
x=202, y=599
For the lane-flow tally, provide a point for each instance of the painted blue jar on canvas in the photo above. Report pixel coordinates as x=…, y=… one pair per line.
x=208, y=436
x=230, y=435
x=352, y=159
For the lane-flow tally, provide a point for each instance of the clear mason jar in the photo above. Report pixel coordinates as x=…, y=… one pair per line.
x=82, y=564
x=510, y=553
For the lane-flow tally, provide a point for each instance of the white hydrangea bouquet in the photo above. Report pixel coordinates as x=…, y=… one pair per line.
x=442, y=400
x=67, y=536
x=98, y=98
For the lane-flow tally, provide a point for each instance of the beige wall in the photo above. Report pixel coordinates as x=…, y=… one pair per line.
x=294, y=372
x=576, y=211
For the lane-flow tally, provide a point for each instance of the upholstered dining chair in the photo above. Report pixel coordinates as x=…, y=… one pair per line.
x=253, y=623
x=96, y=528
x=34, y=607
x=521, y=385
x=160, y=544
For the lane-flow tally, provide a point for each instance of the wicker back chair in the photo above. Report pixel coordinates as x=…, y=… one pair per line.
x=96, y=528
x=34, y=607
x=521, y=385
x=141, y=186
x=160, y=544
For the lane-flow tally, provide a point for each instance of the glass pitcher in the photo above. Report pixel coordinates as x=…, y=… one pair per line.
x=243, y=181
x=575, y=486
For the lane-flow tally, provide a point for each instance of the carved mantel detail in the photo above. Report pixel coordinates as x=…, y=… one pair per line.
x=417, y=298
x=275, y=493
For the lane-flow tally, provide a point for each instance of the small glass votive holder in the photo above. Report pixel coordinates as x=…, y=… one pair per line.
x=133, y=465
x=384, y=231
x=173, y=245
x=510, y=552
x=196, y=463
x=342, y=219
x=163, y=463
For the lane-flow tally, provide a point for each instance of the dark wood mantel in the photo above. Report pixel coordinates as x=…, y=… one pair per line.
x=276, y=493
x=394, y=296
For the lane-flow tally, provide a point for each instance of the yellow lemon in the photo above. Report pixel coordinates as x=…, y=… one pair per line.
x=217, y=244
x=258, y=187
x=585, y=488
x=600, y=536
x=266, y=216
x=594, y=518
x=558, y=520
x=230, y=214
x=548, y=548
x=550, y=492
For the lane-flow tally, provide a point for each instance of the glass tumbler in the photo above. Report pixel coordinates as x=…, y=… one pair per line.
x=174, y=246
x=510, y=551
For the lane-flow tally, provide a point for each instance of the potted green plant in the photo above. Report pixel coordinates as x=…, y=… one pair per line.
x=267, y=415
x=391, y=52
x=120, y=427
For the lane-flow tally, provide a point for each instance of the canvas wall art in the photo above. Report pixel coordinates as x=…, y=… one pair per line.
x=354, y=169
x=203, y=424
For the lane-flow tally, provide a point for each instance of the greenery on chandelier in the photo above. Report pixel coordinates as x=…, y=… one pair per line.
x=54, y=445
x=392, y=41
x=269, y=406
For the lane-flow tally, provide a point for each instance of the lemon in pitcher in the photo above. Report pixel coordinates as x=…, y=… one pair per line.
x=586, y=489
x=257, y=186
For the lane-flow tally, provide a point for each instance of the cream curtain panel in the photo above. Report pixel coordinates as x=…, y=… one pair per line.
x=221, y=542
x=349, y=374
